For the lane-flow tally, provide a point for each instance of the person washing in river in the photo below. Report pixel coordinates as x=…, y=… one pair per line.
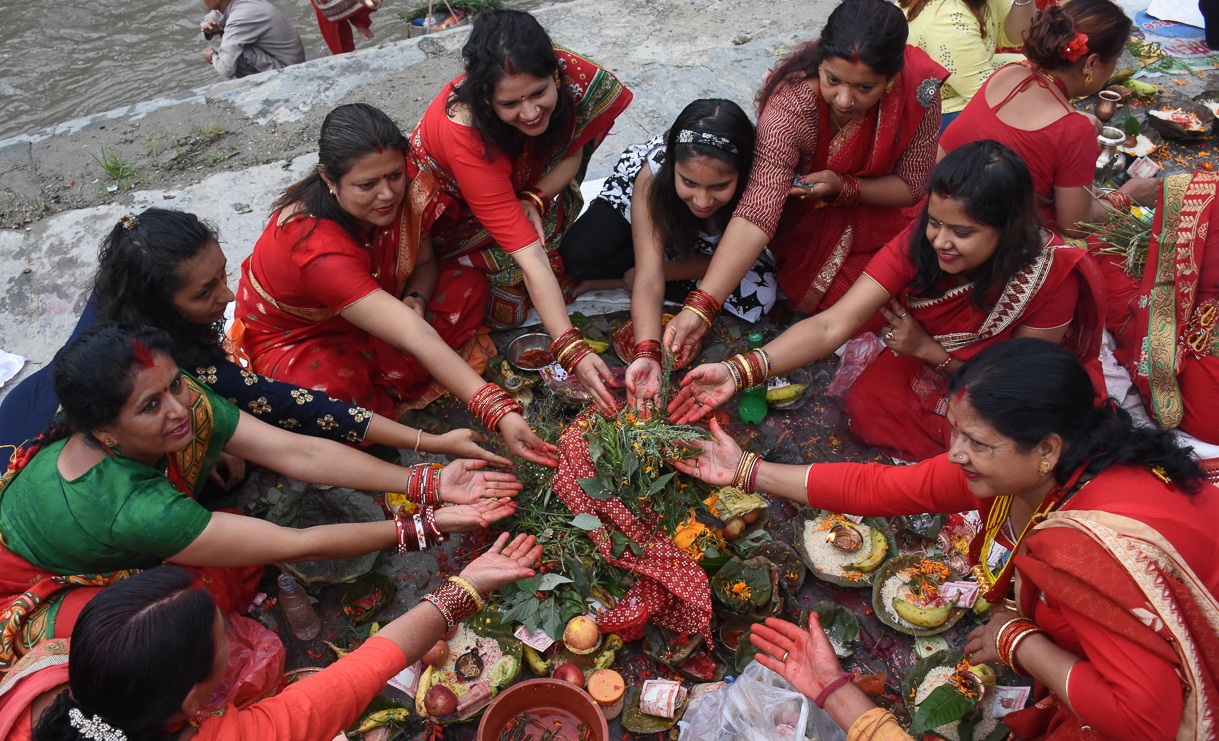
x=256, y=37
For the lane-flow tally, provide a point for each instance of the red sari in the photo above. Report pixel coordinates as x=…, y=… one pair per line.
x=1123, y=575
x=335, y=19
x=478, y=218
x=1168, y=346
x=899, y=401
x=821, y=249
x=304, y=272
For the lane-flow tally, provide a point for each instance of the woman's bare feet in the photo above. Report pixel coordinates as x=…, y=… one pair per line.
x=607, y=284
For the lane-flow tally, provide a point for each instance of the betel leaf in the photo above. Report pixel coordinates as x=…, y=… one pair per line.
x=586, y=521
x=944, y=705
x=660, y=483
x=594, y=488
x=550, y=581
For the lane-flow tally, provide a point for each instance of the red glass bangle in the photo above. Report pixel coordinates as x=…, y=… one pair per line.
x=648, y=349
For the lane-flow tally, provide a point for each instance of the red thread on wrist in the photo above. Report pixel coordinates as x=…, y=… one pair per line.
x=831, y=688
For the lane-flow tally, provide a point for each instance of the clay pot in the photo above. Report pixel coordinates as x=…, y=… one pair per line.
x=545, y=700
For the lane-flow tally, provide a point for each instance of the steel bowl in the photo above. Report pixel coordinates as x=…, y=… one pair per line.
x=522, y=345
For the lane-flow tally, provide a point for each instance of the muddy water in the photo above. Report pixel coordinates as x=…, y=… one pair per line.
x=62, y=59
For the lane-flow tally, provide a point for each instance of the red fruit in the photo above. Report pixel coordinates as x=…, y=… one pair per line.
x=440, y=701
x=569, y=672
x=437, y=655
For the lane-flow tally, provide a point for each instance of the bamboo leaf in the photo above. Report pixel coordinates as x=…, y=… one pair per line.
x=661, y=483
x=586, y=521
x=944, y=705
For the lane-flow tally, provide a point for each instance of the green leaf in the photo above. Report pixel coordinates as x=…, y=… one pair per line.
x=944, y=705
x=546, y=582
x=586, y=522
x=595, y=447
x=594, y=488
x=660, y=483
x=550, y=620
x=635, y=547
x=630, y=464
x=618, y=543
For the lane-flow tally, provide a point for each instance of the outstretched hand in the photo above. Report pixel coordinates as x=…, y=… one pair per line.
x=594, y=375
x=703, y=389
x=504, y=563
x=524, y=443
x=462, y=482
x=717, y=460
x=804, y=658
x=464, y=518
x=466, y=443
x=642, y=383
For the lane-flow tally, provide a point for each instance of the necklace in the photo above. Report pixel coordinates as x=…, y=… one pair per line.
x=1062, y=86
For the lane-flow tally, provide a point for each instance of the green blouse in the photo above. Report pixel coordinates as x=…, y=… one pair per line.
x=120, y=514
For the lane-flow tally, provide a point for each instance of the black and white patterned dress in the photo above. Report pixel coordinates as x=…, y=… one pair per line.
x=755, y=296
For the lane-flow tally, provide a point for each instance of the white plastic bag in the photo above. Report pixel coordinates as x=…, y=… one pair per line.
x=857, y=353
x=759, y=706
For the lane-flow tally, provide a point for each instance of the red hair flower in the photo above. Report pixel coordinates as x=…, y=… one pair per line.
x=1075, y=49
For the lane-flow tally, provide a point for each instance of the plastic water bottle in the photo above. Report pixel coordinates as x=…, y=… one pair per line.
x=752, y=406
x=298, y=610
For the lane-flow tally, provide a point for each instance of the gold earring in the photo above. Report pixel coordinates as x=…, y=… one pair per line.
x=1088, y=76
x=108, y=442
x=889, y=87
x=1043, y=467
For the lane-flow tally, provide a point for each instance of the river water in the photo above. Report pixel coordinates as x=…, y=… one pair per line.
x=63, y=59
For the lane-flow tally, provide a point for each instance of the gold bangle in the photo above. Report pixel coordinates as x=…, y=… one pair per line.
x=478, y=599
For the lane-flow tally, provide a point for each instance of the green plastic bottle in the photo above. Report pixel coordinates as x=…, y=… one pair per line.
x=752, y=406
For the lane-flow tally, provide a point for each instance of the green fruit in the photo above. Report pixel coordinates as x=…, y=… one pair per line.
x=874, y=557
x=923, y=617
x=985, y=673
x=537, y=663
x=981, y=607
x=597, y=347
x=503, y=671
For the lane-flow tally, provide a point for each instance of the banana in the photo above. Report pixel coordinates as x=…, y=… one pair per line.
x=785, y=393
x=1140, y=88
x=609, y=652
x=604, y=597
x=338, y=652
x=869, y=563
x=981, y=607
x=923, y=617
x=382, y=718
x=597, y=347
x=538, y=664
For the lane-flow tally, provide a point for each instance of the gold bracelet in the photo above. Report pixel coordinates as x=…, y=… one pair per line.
x=469, y=589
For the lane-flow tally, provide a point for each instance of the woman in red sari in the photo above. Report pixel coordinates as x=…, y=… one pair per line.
x=1170, y=344
x=975, y=270
x=508, y=144
x=343, y=294
x=337, y=18
x=854, y=117
x=1110, y=532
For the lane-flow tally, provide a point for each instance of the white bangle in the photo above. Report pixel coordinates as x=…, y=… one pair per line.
x=1021, y=4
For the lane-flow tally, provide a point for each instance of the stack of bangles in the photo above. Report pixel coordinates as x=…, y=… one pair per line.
x=457, y=599
x=848, y=194
x=418, y=532
x=746, y=478
x=490, y=404
x=750, y=369
x=1119, y=201
x=649, y=349
x=423, y=485
x=702, y=304
x=570, y=349
x=537, y=198
x=1011, y=635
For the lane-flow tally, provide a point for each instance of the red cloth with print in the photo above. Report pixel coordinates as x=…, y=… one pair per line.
x=670, y=589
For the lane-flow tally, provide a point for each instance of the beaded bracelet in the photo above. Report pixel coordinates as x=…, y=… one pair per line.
x=849, y=194
x=703, y=304
x=944, y=363
x=649, y=349
x=1011, y=635
x=490, y=404
x=538, y=199
x=456, y=599
x=431, y=529
x=569, y=349
x=746, y=471
x=1119, y=200
x=423, y=485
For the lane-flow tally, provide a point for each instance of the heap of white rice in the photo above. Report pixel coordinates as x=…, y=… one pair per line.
x=894, y=587
x=827, y=558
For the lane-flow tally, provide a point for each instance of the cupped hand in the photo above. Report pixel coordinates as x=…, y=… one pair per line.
x=463, y=482
x=980, y=643
x=642, y=382
x=228, y=472
x=703, y=389
x=463, y=518
x=682, y=335
x=824, y=185
x=594, y=375
x=505, y=562
x=804, y=658
x=415, y=304
x=717, y=460
x=524, y=443
x=904, y=335
x=466, y=443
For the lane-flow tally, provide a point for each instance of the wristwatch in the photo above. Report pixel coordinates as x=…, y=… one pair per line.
x=418, y=295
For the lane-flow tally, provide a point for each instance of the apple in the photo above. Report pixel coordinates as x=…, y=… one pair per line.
x=440, y=701
x=569, y=672
x=437, y=655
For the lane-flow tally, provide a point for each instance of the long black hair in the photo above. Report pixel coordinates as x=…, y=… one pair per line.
x=138, y=648
x=673, y=222
x=502, y=43
x=1029, y=389
x=137, y=276
x=349, y=132
x=870, y=31
x=993, y=186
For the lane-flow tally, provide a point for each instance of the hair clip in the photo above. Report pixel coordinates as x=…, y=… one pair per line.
x=129, y=222
x=1075, y=49
x=94, y=728
x=686, y=136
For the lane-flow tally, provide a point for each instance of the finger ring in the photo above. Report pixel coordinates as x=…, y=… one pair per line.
x=901, y=316
x=888, y=336
x=784, y=659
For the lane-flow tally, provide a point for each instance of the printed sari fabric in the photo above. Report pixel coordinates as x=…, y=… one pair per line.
x=61, y=541
x=305, y=271
x=821, y=249
x=478, y=217
x=40, y=671
x=899, y=401
x=1171, y=344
